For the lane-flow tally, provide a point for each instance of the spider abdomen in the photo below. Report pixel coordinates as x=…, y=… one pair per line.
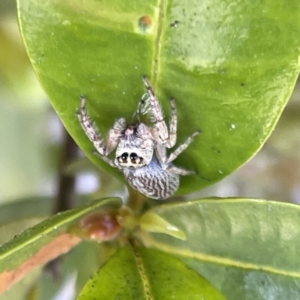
x=152, y=180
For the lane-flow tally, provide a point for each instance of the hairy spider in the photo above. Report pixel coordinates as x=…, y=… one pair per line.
x=141, y=149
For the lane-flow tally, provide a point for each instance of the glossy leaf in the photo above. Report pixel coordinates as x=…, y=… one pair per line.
x=248, y=249
x=151, y=222
x=43, y=242
x=230, y=65
x=147, y=274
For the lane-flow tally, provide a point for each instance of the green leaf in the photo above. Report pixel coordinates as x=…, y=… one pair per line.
x=231, y=68
x=142, y=273
x=153, y=223
x=28, y=243
x=248, y=249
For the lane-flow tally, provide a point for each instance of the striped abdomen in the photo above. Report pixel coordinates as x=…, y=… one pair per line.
x=152, y=181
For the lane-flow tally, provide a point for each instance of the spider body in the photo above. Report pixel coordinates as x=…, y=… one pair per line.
x=152, y=180
x=141, y=149
x=135, y=142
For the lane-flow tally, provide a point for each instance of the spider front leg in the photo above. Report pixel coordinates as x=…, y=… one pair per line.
x=102, y=148
x=156, y=117
x=180, y=171
x=173, y=126
x=182, y=147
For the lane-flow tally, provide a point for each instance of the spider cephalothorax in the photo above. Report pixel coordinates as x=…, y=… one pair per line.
x=141, y=149
x=136, y=146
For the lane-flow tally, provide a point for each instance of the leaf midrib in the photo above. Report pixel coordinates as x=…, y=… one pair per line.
x=158, y=43
x=224, y=261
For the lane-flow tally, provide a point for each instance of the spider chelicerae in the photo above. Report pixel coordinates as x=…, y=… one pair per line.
x=141, y=149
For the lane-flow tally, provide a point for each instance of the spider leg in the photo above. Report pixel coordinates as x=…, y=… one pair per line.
x=156, y=117
x=180, y=171
x=114, y=135
x=173, y=126
x=156, y=114
x=91, y=131
x=161, y=153
x=142, y=108
x=90, y=128
x=182, y=147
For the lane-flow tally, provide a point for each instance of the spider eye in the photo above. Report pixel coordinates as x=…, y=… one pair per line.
x=135, y=159
x=123, y=158
x=130, y=160
x=133, y=156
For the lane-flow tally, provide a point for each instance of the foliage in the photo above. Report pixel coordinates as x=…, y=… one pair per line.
x=231, y=67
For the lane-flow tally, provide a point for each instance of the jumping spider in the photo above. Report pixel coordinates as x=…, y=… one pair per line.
x=141, y=149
